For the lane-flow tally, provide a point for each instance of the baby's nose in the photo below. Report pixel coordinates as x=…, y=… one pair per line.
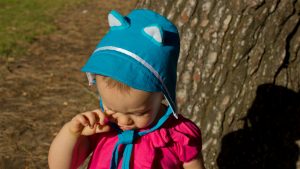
x=124, y=120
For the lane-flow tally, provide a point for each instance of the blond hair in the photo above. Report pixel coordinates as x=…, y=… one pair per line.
x=111, y=83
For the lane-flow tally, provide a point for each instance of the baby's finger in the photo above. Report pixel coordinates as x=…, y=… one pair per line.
x=102, y=117
x=101, y=128
x=81, y=119
x=92, y=118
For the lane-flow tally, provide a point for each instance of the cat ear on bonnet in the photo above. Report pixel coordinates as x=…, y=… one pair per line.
x=116, y=20
x=155, y=33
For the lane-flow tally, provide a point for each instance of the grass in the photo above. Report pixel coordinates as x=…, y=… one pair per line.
x=22, y=20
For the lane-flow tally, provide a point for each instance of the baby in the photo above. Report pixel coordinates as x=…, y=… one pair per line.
x=137, y=126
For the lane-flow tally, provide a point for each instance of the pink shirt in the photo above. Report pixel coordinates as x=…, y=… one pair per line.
x=176, y=142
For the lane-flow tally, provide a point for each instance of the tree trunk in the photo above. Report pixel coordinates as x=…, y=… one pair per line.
x=239, y=78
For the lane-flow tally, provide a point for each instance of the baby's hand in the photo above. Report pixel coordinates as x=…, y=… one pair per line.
x=89, y=123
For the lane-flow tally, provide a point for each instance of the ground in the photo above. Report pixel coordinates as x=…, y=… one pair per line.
x=45, y=88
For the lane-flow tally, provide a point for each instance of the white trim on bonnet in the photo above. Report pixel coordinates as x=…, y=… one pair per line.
x=143, y=62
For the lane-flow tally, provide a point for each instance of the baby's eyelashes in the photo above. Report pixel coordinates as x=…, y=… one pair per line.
x=139, y=114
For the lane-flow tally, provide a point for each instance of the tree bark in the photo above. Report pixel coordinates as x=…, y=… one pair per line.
x=238, y=76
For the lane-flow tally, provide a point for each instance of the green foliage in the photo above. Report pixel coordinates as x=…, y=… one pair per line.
x=22, y=20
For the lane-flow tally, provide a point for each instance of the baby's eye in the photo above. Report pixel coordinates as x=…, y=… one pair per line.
x=140, y=114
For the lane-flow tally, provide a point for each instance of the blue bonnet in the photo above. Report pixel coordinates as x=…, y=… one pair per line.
x=140, y=50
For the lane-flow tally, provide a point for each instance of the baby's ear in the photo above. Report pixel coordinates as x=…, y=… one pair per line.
x=155, y=33
x=116, y=20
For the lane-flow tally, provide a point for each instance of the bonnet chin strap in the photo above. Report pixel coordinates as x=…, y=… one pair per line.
x=127, y=138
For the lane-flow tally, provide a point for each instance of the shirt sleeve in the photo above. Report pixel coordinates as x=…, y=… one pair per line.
x=93, y=140
x=187, y=140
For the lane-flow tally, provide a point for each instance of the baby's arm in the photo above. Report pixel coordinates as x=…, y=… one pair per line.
x=195, y=164
x=70, y=147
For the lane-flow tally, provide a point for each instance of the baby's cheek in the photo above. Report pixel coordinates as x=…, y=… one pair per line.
x=143, y=122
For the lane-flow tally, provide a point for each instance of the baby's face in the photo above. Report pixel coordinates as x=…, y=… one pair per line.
x=135, y=109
